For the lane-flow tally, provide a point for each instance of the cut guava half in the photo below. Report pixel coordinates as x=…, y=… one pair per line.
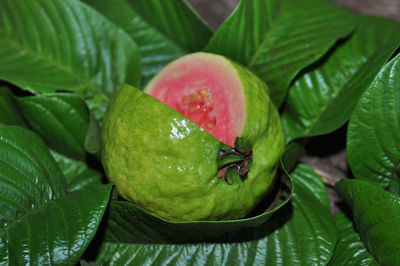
x=206, y=89
x=206, y=146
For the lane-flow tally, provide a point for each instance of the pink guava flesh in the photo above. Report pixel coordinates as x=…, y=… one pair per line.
x=206, y=89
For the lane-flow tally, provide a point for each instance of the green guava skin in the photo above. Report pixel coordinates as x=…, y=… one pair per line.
x=161, y=161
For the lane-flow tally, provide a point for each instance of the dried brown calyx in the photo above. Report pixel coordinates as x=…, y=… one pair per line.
x=235, y=159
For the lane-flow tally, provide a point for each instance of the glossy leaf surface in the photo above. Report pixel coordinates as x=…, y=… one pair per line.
x=64, y=45
x=163, y=30
x=41, y=223
x=278, y=38
x=377, y=217
x=323, y=99
x=62, y=120
x=349, y=250
x=79, y=174
x=373, y=139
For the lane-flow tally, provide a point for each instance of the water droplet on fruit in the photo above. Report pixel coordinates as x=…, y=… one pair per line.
x=179, y=129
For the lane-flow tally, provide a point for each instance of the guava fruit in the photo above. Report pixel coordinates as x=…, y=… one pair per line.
x=202, y=142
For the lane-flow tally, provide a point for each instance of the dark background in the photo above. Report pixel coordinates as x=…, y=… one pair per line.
x=215, y=11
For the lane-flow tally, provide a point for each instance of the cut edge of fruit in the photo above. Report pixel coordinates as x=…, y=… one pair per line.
x=207, y=89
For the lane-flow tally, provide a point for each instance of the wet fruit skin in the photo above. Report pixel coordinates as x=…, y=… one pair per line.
x=161, y=161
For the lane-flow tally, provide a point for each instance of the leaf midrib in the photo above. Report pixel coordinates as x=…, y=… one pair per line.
x=37, y=164
x=273, y=28
x=267, y=36
x=22, y=217
x=42, y=57
x=149, y=25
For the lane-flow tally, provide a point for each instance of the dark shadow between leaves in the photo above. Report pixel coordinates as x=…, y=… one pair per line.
x=93, y=162
x=328, y=144
x=16, y=91
x=326, y=149
x=345, y=208
x=394, y=54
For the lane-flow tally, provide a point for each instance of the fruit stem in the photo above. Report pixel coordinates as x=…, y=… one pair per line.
x=241, y=165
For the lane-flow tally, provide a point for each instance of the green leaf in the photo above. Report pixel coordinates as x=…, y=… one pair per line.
x=163, y=30
x=40, y=222
x=323, y=99
x=349, y=250
x=377, y=217
x=309, y=236
x=62, y=120
x=300, y=233
x=373, y=148
x=79, y=174
x=64, y=45
x=56, y=233
x=9, y=114
x=278, y=38
x=29, y=175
